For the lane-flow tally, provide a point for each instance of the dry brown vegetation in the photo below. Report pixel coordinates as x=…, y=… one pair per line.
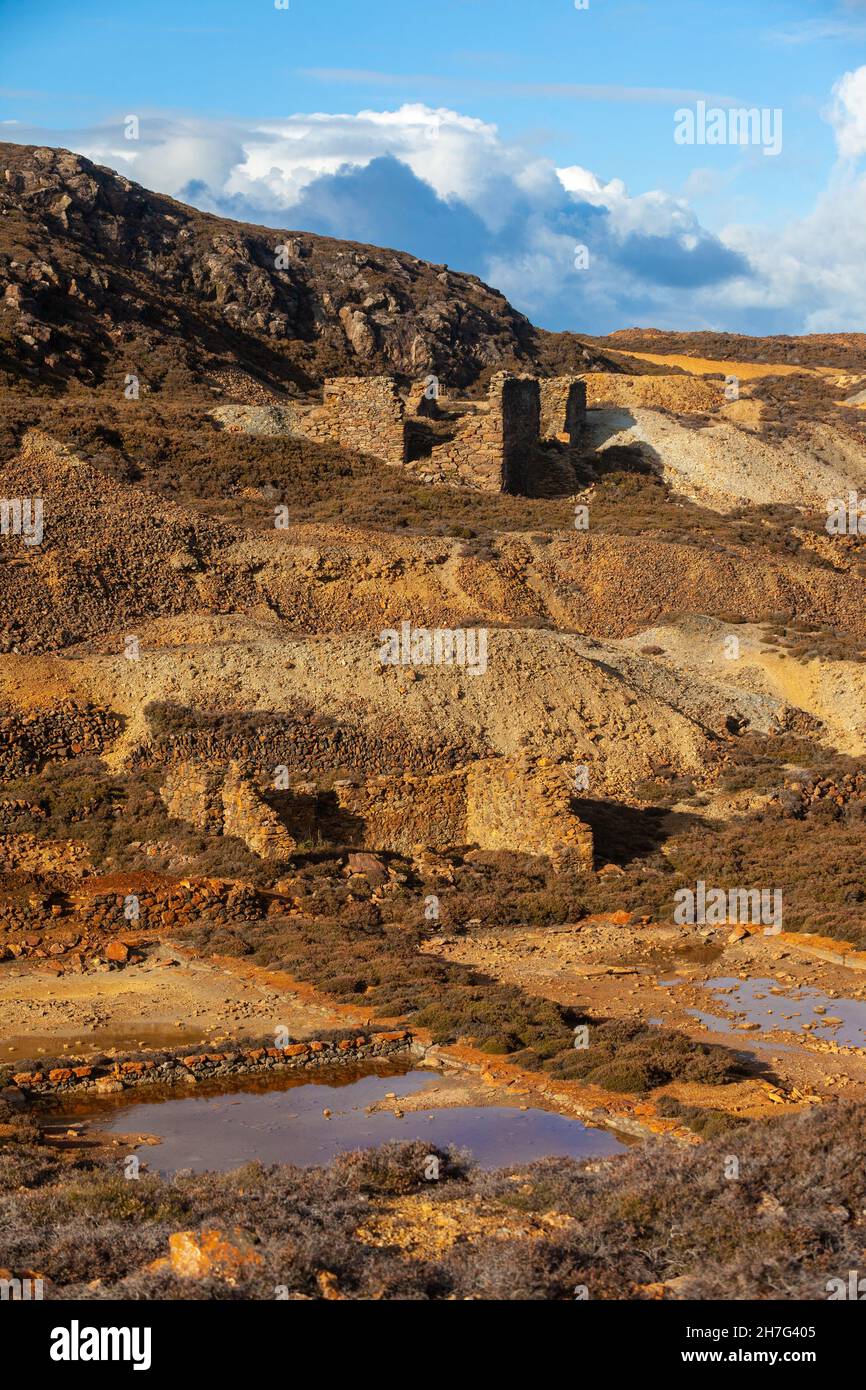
x=662, y=1215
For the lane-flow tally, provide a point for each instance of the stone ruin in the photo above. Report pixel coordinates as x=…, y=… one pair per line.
x=491, y=444
x=525, y=806
x=362, y=413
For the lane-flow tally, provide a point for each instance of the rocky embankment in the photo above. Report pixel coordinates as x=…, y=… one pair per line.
x=110, y=1076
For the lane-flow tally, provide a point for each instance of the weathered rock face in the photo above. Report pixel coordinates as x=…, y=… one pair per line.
x=195, y=292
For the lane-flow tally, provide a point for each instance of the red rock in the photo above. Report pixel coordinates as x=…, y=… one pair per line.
x=368, y=865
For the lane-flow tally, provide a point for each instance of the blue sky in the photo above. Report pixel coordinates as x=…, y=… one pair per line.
x=445, y=129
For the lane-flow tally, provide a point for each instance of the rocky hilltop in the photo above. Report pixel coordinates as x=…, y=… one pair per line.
x=104, y=278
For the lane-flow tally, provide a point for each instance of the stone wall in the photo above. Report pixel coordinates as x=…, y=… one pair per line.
x=220, y=801
x=192, y=792
x=29, y=739
x=397, y=813
x=493, y=448
x=493, y=444
x=297, y=740
x=104, y=1077
x=421, y=402
x=363, y=413
x=563, y=408
x=247, y=815
x=494, y=803
x=66, y=926
x=526, y=808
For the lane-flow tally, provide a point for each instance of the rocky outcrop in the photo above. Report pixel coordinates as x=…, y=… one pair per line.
x=107, y=277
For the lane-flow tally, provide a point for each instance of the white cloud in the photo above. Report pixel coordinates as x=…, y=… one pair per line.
x=848, y=114
x=445, y=185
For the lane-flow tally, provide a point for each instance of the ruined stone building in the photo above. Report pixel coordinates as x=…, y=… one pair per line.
x=490, y=444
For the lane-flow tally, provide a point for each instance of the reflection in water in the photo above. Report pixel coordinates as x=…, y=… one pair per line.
x=285, y=1124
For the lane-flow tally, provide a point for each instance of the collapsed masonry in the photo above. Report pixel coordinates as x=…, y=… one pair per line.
x=494, y=804
x=488, y=444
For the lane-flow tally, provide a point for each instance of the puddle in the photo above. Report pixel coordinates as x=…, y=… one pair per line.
x=90, y=1041
x=712, y=1021
x=672, y=967
x=786, y=1010
x=699, y=955
x=283, y=1123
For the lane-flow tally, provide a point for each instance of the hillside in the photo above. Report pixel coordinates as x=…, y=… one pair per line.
x=103, y=278
x=231, y=817
x=837, y=351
